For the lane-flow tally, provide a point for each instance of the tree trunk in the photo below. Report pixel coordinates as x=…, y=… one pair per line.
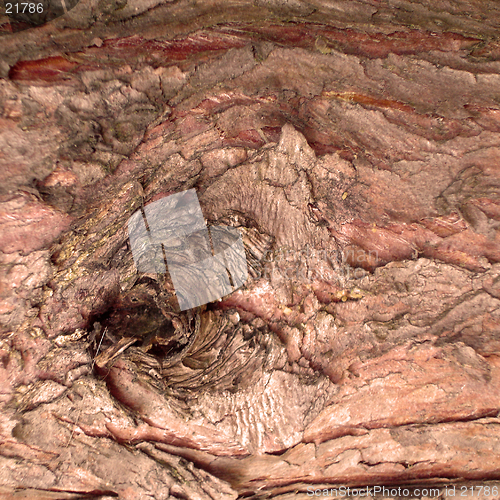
x=355, y=145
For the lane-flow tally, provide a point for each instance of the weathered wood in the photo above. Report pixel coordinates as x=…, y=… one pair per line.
x=355, y=145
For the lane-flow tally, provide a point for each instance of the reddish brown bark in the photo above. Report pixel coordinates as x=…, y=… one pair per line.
x=355, y=145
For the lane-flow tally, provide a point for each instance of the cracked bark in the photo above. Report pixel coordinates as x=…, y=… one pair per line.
x=355, y=145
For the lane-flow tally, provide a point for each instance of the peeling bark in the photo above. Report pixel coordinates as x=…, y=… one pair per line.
x=355, y=146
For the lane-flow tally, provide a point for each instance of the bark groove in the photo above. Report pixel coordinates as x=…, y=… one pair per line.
x=355, y=145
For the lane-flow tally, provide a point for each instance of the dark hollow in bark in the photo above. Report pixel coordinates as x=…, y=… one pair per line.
x=355, y=145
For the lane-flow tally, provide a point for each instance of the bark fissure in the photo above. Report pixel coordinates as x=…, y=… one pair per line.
x=355, y=148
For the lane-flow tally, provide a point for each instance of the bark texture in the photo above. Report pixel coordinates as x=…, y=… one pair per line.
x=356, y=146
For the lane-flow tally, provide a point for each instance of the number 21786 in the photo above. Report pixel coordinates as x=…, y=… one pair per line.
x=24, y=8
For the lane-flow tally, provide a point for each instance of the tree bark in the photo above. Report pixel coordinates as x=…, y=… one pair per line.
x=355, y=145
